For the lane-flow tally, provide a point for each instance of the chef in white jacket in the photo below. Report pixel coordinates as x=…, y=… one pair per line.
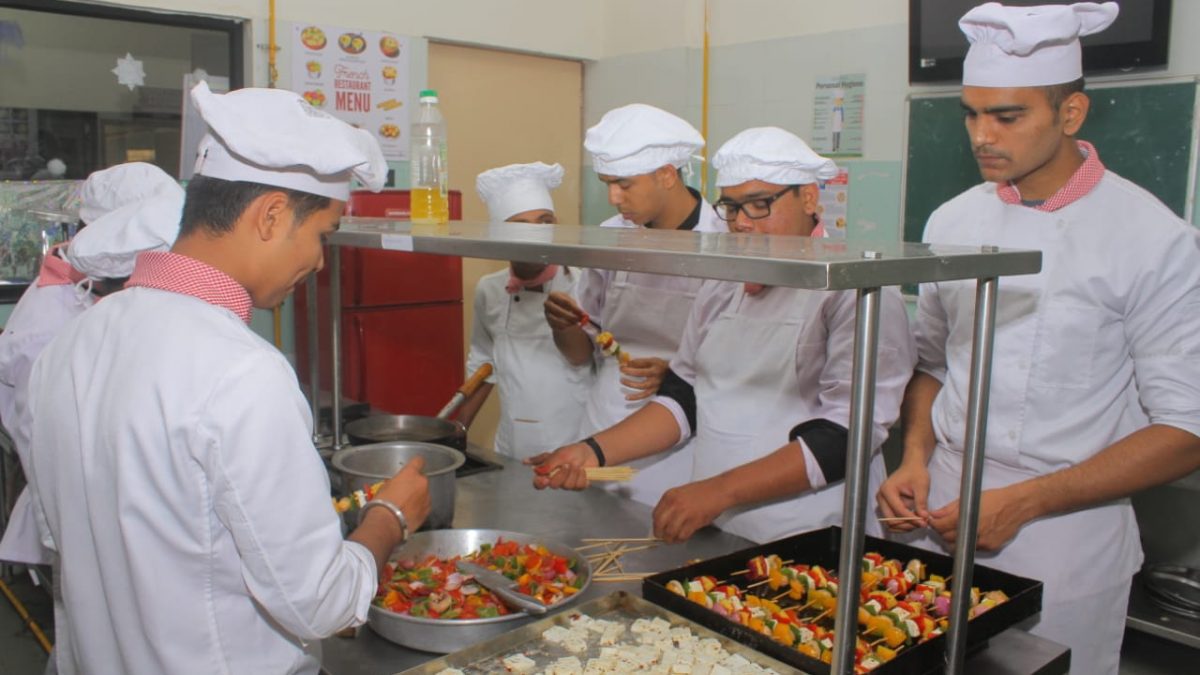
x=640, y=153
x=1096, y=385
x=173, y=470
x=542, y=395
x=125, y=209
x=761, y=382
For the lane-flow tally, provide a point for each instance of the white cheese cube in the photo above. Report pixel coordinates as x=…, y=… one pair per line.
x=519, y=663
x=575, y=645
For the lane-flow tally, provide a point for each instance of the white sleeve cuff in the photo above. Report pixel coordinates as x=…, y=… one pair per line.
x=676, y=410
x=366, y=592
x=816, y=477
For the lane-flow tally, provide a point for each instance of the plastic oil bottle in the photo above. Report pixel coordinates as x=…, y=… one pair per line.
x=429, y=168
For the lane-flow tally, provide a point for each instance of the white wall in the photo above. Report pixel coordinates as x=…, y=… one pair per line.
x=562, y=27
x=737, y=21
x=637, y=26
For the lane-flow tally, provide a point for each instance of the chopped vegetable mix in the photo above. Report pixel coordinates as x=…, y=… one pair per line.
x=434, y=588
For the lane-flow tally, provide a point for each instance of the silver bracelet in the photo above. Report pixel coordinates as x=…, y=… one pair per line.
x=383, y=503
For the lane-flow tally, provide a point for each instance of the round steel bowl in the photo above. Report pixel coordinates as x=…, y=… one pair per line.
x=368, y=464
x=448, y=635
x=386, y=428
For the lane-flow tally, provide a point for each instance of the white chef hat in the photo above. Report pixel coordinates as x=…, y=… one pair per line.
x=148, y=205
x=1029, y=46
x=274, y=137
x=109, y=189
x=770, y=154
x=516, y=188
x=637, y=139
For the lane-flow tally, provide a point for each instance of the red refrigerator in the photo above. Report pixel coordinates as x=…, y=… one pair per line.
x=402, y=331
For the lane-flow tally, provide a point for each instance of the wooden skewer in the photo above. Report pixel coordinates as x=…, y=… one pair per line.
x=803, y=607
x=635, y=549
x=757, y=583
x=621, y=539
x=597, y=544
x=819, y=616
x=608, y=560
x=631, y=576
x=779, y=597
x=901, y=519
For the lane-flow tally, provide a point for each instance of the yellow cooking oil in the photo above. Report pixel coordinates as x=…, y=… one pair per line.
x=429, y=206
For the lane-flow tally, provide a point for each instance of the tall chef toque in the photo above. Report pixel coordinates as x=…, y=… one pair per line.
x=1029, y=46
x=128, y=208
x=273, y=137
x=517, y=188
x=770, y=154
x=637, y=139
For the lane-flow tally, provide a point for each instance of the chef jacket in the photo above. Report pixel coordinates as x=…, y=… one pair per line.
x=541, y=394
x=755, y=371
x=646, y=314
x=1104, y=341
x=182, y=492
x=44, y=308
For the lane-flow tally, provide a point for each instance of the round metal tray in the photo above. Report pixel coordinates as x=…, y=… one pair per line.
x=1174, y=588
x=448, y=635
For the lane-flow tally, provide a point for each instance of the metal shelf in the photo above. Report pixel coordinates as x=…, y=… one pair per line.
x=800, y=262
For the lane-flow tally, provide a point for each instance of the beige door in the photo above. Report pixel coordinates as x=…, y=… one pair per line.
x=505, y=108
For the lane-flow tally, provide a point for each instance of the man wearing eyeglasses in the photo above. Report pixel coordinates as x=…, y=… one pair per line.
x=761, y=382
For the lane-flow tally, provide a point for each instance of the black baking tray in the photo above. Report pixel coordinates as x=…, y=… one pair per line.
x=820, y=547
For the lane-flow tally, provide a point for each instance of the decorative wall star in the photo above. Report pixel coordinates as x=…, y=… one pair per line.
x=129, y=72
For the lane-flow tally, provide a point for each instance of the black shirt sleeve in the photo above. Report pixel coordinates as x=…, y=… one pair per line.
x=828, y=442
x=675, y=388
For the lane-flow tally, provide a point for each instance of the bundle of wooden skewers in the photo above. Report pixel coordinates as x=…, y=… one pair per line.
x=611, y=474
x=614, y=474
x=606, y=554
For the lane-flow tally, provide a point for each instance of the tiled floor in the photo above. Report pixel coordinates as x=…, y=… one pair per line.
x=20, y=653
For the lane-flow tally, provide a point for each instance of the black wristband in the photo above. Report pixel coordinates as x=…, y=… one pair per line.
x=591, y=443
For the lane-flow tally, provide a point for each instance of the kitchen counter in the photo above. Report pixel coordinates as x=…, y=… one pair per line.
x=506, y=500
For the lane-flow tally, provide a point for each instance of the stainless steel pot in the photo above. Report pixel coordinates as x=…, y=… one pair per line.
x=368, y=464
x=448, y=635
x=388, y=428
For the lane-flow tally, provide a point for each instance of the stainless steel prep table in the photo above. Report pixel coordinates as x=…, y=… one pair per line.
x=799, y=262
x=506, y=500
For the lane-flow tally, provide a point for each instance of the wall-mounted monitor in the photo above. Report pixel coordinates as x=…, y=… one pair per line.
x=1138, y=39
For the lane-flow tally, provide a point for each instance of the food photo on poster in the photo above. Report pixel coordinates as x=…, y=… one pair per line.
x=359, y=76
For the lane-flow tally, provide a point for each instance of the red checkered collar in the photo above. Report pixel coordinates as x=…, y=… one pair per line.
x=176, y=273
x=1086, y=177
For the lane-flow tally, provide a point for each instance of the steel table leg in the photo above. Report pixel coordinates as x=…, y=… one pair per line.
x=335, y=342
x=858, y=459
x=972, y=472
x=314, y=352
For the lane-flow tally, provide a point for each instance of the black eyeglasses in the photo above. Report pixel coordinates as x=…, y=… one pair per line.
x=754, y=209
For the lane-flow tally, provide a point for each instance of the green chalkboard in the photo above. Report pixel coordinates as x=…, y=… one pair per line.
x=1143, y=132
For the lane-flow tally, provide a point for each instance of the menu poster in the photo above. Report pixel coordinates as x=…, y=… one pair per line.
x=833, y=204
x=360, y=77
